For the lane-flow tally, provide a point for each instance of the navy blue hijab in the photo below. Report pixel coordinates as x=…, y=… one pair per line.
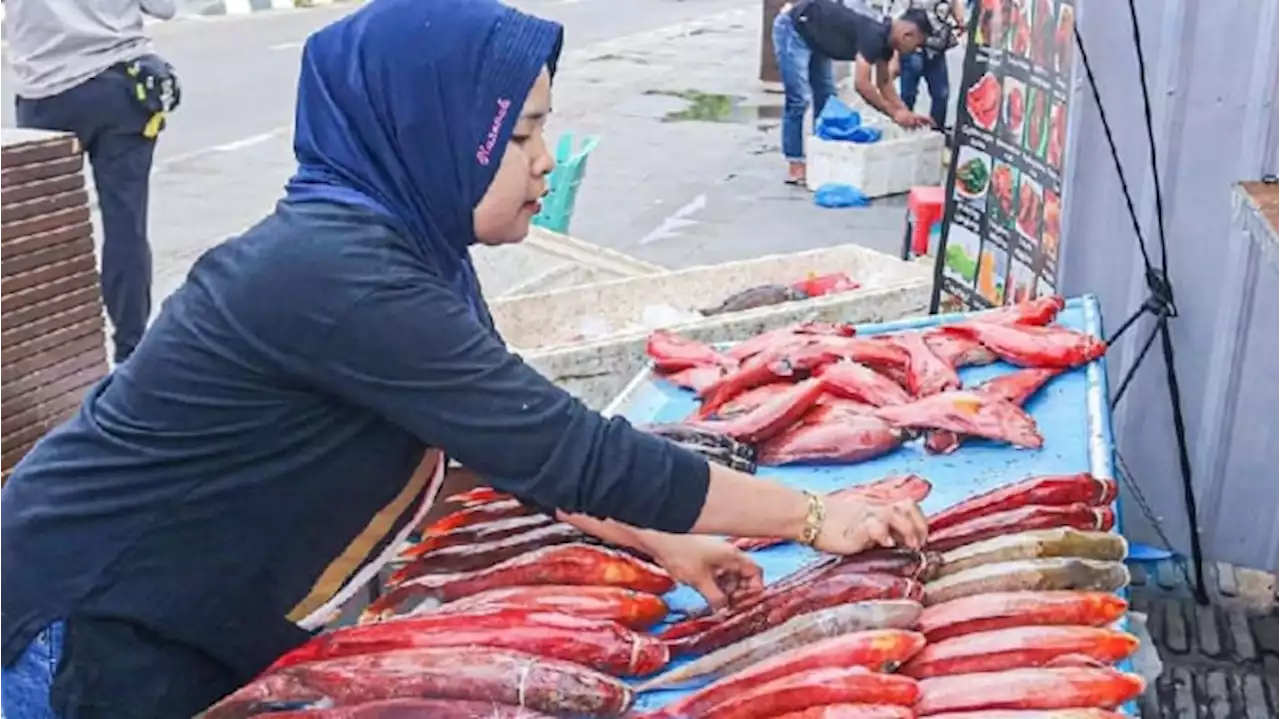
x=405, y=108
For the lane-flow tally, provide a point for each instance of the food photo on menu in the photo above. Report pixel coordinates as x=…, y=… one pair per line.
x=1043, y=24
x=973, y=176
x=1057, y=135
x=962, y=255
x=983, y=102
x=1003, y=177
x=993, y=272
x=1019, y=32
x=991, y=22
x=1022, y=280
x=1015, y=109
x=1037, y=122
x=1029, y=208
x=1065, y=38
x=1052, y=224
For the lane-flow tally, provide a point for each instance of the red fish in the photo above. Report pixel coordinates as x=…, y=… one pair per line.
x=1022, y=519
x=468, y=674
x=811, y=688
x=416, y=709
x=1040, y=311
x=1034, y=714
x=998, y=610
x=911, y=487
x=852, y=711
x=1015, y=387
x=967, y=413
x=696, y=378
x=1055, y=489
x=1028, y=689
x=501, y=509
x=876, y=650
x=477, y=495
x=596, y=643
x=470, y=557
x=859, y=382
x=764, y=368
x=769, y=418
x=958, y=351
x=565, y=564
x=477, y=534
x=1019, y=648
x=1031, y=346
x=751, y=399
x=926, y=373
x=766, y=340
x=843, y=439
x=829, y=405
x=671, y=353
x=632, y=609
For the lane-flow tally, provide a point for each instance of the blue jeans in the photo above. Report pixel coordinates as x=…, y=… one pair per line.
x=25, y=686
x=934, y=71
x=807, y=77
x=108, y=120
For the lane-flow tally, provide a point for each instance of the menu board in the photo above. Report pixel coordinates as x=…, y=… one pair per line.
x=1000, y=227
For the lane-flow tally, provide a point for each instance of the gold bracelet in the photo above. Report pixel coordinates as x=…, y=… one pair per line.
x=813, y=519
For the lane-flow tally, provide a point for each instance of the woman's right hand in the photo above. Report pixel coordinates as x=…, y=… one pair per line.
x=854, y=525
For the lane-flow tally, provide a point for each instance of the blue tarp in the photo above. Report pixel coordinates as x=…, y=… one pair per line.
x=1071, y=412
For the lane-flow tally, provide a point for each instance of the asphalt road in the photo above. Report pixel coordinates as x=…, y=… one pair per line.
x=239, y=72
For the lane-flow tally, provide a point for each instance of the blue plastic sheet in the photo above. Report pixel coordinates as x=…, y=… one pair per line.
x=1071, y=412
x=837, y=195
x=838, y=121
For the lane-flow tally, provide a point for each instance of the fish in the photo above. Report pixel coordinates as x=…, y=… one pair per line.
x=958, y=351
x=1052, y=489
x=597, y=643
x=910, y=487
x=879, y=650
x=764, y=368
x=1028, y=575
x=1021, y=519
x=628, y=607
x=844, y=439
x=927, y=375
x=1000, y=610
x=825, y=591
x=852, y=380
x=829, y=405
x=765, y=340
x=753, y=297
x=470, y=557
x=671, y=352
x=488, y=512
x=800, y=631
x=1036, y=544
x=852, y=711
x=1032, y=346
x=750, y=399
x=1015, y=387
x=563, y=564
x=507, y=677
x=696, y=378
x=1033, y=714
x=770, y=418
x=1019, y=648
x=970, y=413
x=1028, y=689
x=476, y=534
x=1040, y=311
x=477, y=495
x=685, y=435
x=415, y=709
x=794, y=692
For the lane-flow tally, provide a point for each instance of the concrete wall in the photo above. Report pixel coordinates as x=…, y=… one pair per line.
x=1212, y=75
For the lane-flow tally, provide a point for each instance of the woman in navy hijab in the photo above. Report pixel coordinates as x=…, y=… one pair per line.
x=285, y=422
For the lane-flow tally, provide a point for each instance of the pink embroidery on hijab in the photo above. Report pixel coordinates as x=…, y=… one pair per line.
x=485, y=151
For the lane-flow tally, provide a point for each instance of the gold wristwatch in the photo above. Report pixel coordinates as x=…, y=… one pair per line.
x=813, y=520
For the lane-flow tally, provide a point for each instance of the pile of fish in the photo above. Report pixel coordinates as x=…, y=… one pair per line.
x=815, y=392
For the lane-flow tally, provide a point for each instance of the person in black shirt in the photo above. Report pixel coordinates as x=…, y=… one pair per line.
x=283, y=426
x=930, y=61
x=809, y=34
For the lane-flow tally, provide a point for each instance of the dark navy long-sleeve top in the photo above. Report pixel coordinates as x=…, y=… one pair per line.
x=260, y=446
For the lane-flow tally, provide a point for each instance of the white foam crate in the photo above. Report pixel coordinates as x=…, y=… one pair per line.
x=546, y=328
x=548, y=260
x=902, y=159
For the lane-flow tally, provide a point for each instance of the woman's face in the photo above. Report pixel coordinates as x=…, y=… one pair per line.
x=513, y=198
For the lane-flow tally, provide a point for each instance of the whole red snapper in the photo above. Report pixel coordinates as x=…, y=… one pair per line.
x=488, y=512
x=1021, y=519
x=1028, y=689
x=813, y=688
x=628, y=607
x=771, y=417
x=477, y=534
x=765, y=368
x=927, y=374
x=1019, y=648
x=1054, y=489
x=1015, y=387
x=846, y=439
x=967, y=413
x=772, y=338
x=1031, y=346
x=858, y=381
x=999, y=610
x=672, y=353
x=471, y=557
x=414, y=709
x=852, y=711
x=474, y=674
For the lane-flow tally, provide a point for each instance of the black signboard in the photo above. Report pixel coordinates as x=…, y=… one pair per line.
x=1000, y=228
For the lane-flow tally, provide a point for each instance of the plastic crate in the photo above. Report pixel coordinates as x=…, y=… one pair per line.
x=571, y=166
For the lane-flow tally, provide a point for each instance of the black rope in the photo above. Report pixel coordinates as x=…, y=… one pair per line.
x=1159, y=302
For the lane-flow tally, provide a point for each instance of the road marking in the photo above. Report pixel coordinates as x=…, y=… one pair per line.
x=676, y=221
x=286, y=46
x=232, y=146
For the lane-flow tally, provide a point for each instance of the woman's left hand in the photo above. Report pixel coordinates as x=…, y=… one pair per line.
x=720, y=572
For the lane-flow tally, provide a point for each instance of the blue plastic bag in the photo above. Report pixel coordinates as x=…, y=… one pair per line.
x=838, y=121
x=834, y=194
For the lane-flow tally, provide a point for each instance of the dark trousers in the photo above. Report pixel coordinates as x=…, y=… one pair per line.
x=108, y=120
x=933, y=69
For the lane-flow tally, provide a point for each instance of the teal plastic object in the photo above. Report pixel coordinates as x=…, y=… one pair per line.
x=571, y=166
